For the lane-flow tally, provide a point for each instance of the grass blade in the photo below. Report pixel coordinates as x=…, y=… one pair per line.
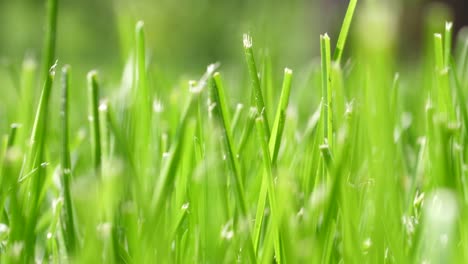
x=50, y=39
x=447, y=43
x=67, y=218
x=257, y=91
x=273, y=145
x=268, y=178
x=220, y=99
x=344, y=31
x=443, y=88
x=35, y=166
x=93, y=97
x=233, y=162
x=326, y=88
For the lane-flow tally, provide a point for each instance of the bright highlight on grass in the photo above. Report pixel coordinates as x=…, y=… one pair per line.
x=372, y=170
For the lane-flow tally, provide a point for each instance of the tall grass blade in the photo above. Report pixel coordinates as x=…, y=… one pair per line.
x=344, y=31
x=257, y=91
x=93, y=117
x=67, y=217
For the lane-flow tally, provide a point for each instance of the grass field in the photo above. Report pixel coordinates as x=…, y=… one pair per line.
x=364, y=160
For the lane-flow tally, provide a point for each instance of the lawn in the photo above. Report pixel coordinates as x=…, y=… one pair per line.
x=361, y=158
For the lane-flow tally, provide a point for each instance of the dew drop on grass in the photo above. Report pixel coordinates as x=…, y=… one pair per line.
x=104, y=230
x=158, y=106
x=4, y=230
x=441, y=214
x=227, y=232
x=56, y=204
x=366, y=244
x=300, y=214
x=17, y=248
x=103, y=106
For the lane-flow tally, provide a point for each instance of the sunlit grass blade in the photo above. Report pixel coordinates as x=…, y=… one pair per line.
x=105, y=131
x=247, y=131
x=280, y=117
x=35, y=166
x=236, y=117
x=9, y=159
x=141, y=104
x=67, y=218
x=326, y=88
x=50, y=39
x=267, y=82
x=443, y=88
x=273, y=145
x=257, y=91
x=28, y=85
x=220, y=98
x=447, y=43
x=344, y=31
x=231, y=155
x=173, y=158
x=269, y=179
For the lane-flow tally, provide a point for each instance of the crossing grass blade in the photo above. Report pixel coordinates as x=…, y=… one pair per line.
x=220, y=99
x=273, y=145
x=172, y=161
x=269, y=179
x=253, y=73
x=34, y=169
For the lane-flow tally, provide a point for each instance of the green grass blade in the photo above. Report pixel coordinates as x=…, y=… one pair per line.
x=257, y=91
x=35, y=167
x=67, y=218
x=443, y=88
x=273, y=145
x=236, y=117
x=220, y=99
x=247, y=131
x=344, y=31
x=280, y=117
x=172, y=160
x=326, y=88
x=267, y=82
x=141, y=107
x=447, y=43
x=50, y=38
x=93, y=117
x=28, y=85
x=105, y=133
x=268, y=178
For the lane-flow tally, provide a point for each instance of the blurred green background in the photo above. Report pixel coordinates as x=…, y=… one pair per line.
x=184, y=36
